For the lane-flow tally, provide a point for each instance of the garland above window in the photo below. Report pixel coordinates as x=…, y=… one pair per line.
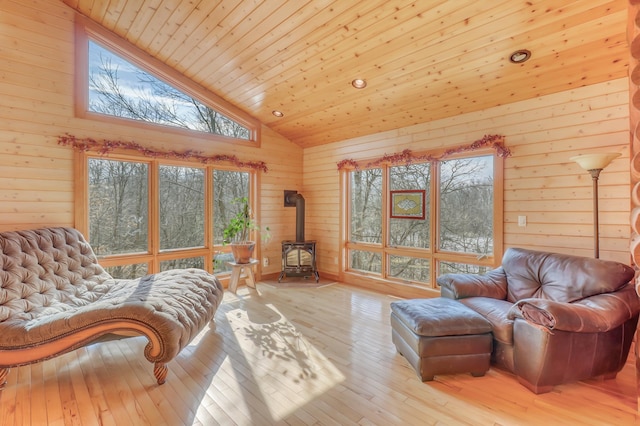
x=407, y=157
x=104, y=147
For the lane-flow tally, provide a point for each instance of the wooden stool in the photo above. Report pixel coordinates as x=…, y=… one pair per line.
x=236, y=274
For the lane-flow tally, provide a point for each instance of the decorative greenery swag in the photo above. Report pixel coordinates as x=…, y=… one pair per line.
x=407, y=157
x=104, y=147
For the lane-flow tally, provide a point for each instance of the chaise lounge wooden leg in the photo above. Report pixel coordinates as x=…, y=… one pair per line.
x=160, y=371
x=3, y=377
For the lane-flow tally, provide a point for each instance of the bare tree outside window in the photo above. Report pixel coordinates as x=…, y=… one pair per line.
x=189, y=262
x=366, y=261
x=410, y=268
x=462, y=268
x=118, y=206
x=366, y=206
x=466, y=205
x=119, y=88
x=366, y=217
x=181, y=205
x=128, y=271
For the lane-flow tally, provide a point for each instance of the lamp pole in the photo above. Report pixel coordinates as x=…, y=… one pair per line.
x=594, y=163
x=596, y=232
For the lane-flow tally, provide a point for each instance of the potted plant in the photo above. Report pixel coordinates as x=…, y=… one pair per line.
x=238, y=231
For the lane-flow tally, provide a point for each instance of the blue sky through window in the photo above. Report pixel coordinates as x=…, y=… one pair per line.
x=119, y=88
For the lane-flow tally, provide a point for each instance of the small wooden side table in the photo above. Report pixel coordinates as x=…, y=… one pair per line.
x=236, y=274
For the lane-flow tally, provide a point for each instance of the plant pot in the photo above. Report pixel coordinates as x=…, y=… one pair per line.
x=242, y=251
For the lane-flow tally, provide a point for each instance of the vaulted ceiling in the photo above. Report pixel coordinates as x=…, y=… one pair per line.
x=422, y=60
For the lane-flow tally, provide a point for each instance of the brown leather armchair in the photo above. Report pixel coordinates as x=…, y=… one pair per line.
x=556, y=318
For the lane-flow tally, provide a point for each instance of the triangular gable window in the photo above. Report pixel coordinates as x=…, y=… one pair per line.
x=119, y=88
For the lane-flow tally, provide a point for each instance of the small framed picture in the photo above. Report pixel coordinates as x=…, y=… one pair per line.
x=408, y=204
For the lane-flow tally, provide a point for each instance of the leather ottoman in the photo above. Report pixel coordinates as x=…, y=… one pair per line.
x=441, y=336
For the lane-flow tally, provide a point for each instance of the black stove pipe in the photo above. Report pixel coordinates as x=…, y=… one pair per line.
x=298, y=199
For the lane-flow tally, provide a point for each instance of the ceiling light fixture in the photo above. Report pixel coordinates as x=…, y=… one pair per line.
x=359, y=83
x=520, y=56
x=277, y=113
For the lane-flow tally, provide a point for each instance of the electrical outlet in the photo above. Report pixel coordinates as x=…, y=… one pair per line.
x=522, y=221
x=265, y=261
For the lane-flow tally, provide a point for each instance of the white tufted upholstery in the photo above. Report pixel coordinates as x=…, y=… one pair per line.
x=51, y=286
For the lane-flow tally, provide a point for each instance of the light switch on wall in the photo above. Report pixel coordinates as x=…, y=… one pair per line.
x=522, y=221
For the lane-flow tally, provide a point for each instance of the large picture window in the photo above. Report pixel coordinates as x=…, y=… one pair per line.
x=466, y=205
x=119, y=88
x=144, y=216
x=118, y=206
x=116, y=81
x=181, y=203
x=410, y=222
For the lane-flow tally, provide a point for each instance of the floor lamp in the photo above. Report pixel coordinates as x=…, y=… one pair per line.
x=594, y=163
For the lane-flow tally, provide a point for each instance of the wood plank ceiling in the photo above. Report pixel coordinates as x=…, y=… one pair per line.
x=423, y=60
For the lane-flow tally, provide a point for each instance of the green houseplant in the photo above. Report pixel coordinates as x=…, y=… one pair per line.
x=238, y=231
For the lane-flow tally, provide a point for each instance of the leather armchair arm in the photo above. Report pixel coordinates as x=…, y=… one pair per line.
x=493, y=284
x=595, y=314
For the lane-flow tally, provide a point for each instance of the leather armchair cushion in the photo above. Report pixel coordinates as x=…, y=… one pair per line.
x=560, y=277
x=493, y=284
x=595, y=314
x=495, y=311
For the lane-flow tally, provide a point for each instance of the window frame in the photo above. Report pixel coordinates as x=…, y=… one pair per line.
x=86, y=30
x=155, y=254
x=433, y=253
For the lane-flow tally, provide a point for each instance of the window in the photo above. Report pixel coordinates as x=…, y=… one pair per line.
x=227, y=187
x=118, y=81
x=181, y=203
x=466, y=202
x=409, y=223
x=138, y=224
x=118, y=206
x=119, y=88
x=410, y=232
x=366, y=206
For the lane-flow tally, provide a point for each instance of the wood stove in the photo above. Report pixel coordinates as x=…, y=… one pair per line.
x=299, y=256
x=299, y=259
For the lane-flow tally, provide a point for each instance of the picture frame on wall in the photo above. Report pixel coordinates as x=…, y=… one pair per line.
x=407, y=204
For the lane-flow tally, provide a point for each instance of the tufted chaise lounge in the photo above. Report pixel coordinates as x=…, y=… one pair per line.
x=55, y=297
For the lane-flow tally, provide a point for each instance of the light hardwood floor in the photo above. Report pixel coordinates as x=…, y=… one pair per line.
x=312, y=355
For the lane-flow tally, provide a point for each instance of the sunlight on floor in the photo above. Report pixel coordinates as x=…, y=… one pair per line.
x=289, y=370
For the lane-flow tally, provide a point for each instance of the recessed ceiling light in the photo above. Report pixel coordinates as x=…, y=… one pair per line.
x=277, y=113
x=520, y=56
x=359, y=83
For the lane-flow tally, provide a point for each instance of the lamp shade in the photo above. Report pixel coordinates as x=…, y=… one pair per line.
x=595, y=161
